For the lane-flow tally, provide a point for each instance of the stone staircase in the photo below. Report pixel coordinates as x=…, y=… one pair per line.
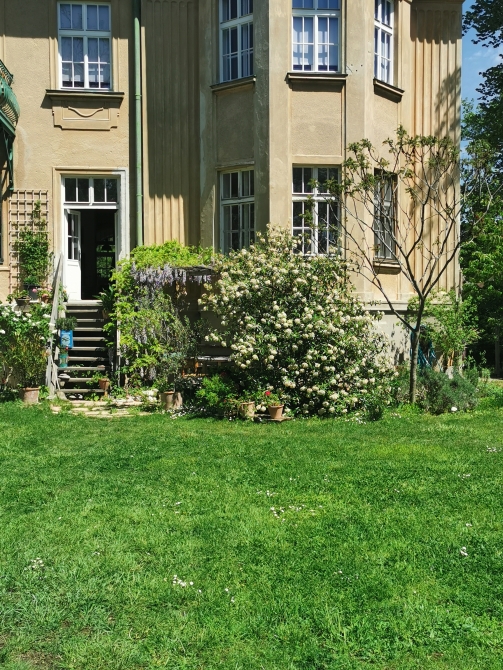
x=89, y=354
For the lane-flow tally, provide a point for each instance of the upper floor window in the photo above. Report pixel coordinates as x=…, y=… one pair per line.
x=236, y=39
x=385, y=216
x=315, y=214
x=84, y=45
x=316, y=35
x=91, y=191
x=383, y=41
x=237, y=191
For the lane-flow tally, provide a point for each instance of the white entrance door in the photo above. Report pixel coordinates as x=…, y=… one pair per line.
x=73, y=278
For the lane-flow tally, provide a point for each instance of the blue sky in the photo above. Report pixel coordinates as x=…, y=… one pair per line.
x=476, y=58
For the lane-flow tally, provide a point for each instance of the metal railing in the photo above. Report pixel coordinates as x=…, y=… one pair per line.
x=51, y=374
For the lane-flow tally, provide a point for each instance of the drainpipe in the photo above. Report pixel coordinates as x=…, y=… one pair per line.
x=138, y=133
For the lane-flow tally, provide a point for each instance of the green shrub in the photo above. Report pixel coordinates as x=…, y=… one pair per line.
x=295, y=327
x=33, y=250
x=217, y=395
x=439, y=393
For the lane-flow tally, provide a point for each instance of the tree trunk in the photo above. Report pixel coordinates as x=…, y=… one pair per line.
x=413, y=366
x=497, y=354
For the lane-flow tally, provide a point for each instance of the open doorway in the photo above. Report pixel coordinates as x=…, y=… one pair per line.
x=91, y=235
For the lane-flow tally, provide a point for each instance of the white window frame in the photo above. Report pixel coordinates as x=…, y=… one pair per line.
x=319, y=200
x=85, y=34
x=90, y=203
x=384, y=19
x=241, y=204
x=315, y=9
x=243, y=24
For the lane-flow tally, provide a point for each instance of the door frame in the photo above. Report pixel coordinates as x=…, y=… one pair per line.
x=73, y=212
x=122, y=227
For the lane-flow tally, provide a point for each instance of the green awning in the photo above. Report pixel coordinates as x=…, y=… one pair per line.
x=9, y=116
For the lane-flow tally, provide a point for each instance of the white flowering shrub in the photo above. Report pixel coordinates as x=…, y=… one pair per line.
x=295, y=327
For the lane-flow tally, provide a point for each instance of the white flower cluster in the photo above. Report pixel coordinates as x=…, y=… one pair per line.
x=294, y=325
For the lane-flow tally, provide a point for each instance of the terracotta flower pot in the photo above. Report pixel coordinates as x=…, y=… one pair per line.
x=275, y=411
x=246, y=410
x=104, y=384
x=29, y=395
x=45, y=298
x=167, y=399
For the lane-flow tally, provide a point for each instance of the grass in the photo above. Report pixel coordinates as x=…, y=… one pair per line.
x=358, y=565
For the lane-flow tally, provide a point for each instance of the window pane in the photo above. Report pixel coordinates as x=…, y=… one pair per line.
x=104, y=17
x=246, y=7
x=104, y=76
x=226, y=186
x=245, y=184
x=99, y=190
x=78, y=49
x=92, y=49
x=298, y=210
x=78, y=75
x=66, y=74
x=66, y=49
x=70, y=190
x=234, y=184
x=83, y=190
x=77, y=17
x=65, y=17
x=252, y=182
x=297, y=180
x=111, y=190
x=105, y=50
x=94, y=75
x=308, y=175
x=92, y=17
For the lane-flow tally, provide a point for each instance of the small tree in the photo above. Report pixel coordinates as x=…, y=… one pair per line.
x=403, y=210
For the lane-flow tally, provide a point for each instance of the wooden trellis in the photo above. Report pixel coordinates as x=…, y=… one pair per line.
x=21, y=205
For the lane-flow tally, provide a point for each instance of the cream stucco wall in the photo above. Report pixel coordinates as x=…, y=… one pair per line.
x=194, y=127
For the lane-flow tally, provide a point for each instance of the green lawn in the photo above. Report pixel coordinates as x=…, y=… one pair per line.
x=305, y=545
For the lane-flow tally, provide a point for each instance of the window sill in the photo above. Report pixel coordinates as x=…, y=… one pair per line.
x=57, y=94
x=386, y=266
x=234, y=84
x=317, y=76
x=388, y=91
x=86, y=109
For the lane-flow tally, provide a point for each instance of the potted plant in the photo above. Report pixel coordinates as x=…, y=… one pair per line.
x=104, y=384
x=274, y=405
x=246, y=407
x=45, y=295
x=21, y=296
x=167, y=391
x=107, y=297
x=66, y=325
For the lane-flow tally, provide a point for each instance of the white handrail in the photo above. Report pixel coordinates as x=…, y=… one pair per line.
x=51, y=374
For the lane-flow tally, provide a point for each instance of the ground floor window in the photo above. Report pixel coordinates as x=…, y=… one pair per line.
x=237, y=192
x=315, y=217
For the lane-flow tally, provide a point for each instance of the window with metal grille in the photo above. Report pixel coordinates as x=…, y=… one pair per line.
x=385, y=216
x=315, y=218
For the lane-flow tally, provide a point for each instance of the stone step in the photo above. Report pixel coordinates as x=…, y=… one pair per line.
x=87, y=391
x=87, y=359
x=74, y=368
x=87, y=339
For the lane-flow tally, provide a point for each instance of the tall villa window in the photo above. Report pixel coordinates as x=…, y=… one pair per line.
x=236, y=39
x=84, y=45
x=383, y=41
x=315, y=36
x=237, y=191
x=385, y=217
x=315, y=218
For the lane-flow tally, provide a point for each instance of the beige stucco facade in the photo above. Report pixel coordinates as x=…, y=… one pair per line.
x=194, y=126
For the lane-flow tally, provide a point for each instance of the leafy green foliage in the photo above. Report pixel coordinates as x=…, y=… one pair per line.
x=66, y=323
x=449, y=323
x=23, y=341
x=217, y=394
x=170, y=253
x=33, y=251
x=438, y=393
x=154, y=341
x=296, y=328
